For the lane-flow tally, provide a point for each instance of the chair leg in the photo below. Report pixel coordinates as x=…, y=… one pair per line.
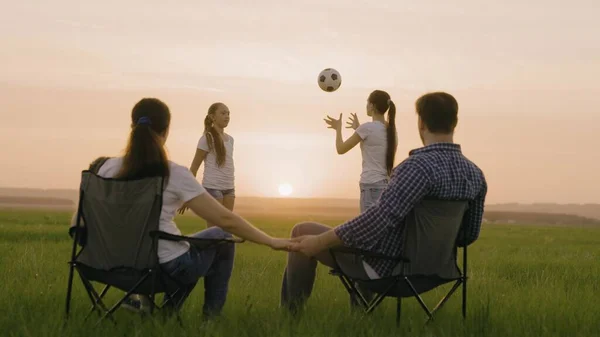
x=398, y=310
x=69, y=290
x=447, y=297
x=89, y=288
x=179, y=320
x=419, y=299
x=154, y=274
x=168, y=297
x=353, y=291
x=464, y=279
x=95, y=298
x=464, y=298
x=109, y=313
x=379, y=298
x=98, y=300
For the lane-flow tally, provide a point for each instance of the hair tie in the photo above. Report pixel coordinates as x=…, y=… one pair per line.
x=389, y=101
x=144, y=121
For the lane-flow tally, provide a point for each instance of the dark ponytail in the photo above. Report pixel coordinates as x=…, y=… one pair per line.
x=213, y=137
x=390, y=152
x=145, y=155
x=382, y=102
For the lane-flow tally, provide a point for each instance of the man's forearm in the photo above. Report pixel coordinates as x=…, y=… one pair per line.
x=329, y=240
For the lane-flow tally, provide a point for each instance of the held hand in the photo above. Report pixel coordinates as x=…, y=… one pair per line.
x=333, y=123
x=182, y=210
x=280, y=244
x=309, y=245
x=352, y=122
x=299, y=239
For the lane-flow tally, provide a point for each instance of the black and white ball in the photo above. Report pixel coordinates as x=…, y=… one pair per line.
x=329, y=80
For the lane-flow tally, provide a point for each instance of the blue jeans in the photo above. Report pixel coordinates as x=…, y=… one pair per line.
x=370, y=193
x=214, y=264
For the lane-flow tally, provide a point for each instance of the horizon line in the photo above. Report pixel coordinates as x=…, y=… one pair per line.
x=324, y=198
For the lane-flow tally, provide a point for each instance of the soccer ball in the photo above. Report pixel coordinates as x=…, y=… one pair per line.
x=329, y=80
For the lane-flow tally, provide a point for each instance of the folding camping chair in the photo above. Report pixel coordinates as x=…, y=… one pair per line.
x=117, y=229
x=428, y=259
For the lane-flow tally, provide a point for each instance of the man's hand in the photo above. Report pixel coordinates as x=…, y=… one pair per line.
x=309, y=245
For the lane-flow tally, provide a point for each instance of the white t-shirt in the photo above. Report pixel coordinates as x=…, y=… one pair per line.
x=373, y=148
x=215, y=177
x=181, y=188
x=371, y=273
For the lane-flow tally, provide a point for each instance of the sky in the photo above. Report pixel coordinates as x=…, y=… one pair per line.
x=525, y=74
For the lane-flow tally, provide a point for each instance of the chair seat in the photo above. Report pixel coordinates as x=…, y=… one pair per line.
x=125, y=279
x=421, y=284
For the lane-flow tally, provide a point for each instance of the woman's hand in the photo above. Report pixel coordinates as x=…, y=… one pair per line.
x=352, y=122
x=182, y=209
x=208, y=208
x=333, y=123
x=280, y=244
x=309, y=245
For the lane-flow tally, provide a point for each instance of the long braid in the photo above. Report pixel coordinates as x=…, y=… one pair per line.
x=390, y=153
x=213, y=137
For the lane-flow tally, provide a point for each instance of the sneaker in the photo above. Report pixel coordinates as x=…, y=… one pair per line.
x=131, y=303
x=145, y=301
x=137, y=303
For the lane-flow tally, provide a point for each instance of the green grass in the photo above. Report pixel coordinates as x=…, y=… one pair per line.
x=524, y=281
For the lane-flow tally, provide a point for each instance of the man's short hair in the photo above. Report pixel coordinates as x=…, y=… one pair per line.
x=439, y=112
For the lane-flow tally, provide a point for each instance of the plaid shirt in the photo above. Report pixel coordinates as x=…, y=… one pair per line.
x=439, y=171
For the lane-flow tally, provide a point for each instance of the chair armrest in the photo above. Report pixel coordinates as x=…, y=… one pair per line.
x=197, y=242
x=366, y=253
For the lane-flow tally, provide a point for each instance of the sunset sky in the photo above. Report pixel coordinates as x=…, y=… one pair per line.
x=526, y=75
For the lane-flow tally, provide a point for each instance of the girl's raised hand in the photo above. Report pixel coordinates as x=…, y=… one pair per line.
x=333, y=123
x=352, y=122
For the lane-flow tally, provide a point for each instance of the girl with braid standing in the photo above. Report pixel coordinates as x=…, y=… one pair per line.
x=215, y=149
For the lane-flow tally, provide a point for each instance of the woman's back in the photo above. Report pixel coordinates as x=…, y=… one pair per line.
x=180, y=188
x=373, y=148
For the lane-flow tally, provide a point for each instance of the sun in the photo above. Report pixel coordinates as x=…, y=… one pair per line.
x=285, y=189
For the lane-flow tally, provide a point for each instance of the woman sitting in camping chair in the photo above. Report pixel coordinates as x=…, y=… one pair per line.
x=145, y=156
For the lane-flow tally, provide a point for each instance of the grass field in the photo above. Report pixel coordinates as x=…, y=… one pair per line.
x=524, y=281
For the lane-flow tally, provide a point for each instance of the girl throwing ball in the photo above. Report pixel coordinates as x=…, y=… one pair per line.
x=378, y=143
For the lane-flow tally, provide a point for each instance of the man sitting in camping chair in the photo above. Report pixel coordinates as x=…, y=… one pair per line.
x=436, y=171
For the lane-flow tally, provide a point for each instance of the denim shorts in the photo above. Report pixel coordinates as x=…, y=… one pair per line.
x=220, y=194
x=370, y=193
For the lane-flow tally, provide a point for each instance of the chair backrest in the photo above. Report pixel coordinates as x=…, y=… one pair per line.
x=430, y=238
x=118, y=217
